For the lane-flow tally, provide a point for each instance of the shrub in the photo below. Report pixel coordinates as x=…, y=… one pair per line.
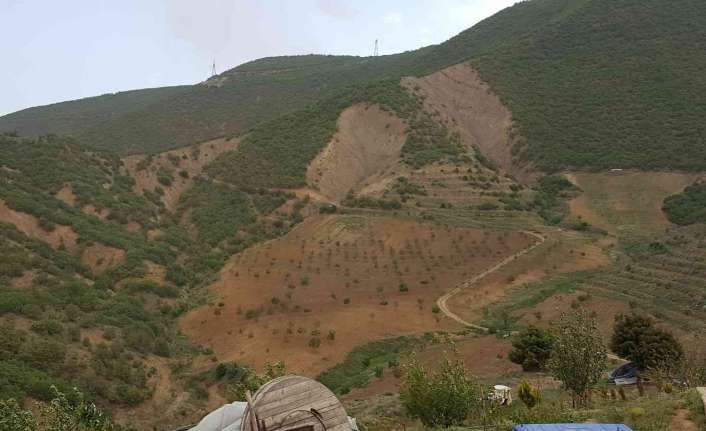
x=528, y=394
x=688, y=207
x=48, y=327
x=636, y=338
x=487, y=206
x=442, y=399
x=165, y=176
x=328, y=209
x=14, y=418
x=43, y=353
x=532, y=348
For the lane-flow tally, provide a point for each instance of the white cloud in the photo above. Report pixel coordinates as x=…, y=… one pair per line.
x=336, y=9
x=393, y=18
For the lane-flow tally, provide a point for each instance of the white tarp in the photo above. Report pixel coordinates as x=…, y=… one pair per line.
x=225, y=418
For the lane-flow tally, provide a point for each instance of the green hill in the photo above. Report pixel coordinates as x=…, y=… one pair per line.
x=68, y=320
x=591, y=84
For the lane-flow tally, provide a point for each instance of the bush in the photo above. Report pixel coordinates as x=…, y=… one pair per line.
x=47, y=327
x=328, y=209
x=165, y=176
x=688, y=207
x=532, y=348
x=528, y=394
x=14, y=418
x=43, y=353
x=443, y=399
x=636, y=338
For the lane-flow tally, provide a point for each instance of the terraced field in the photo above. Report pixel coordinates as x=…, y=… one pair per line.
x=666, y=277
x=340, y=281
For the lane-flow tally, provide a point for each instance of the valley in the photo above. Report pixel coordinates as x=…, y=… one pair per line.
x=343, y=217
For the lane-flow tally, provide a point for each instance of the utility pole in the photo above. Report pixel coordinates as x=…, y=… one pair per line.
x=376, y=52
x=213, y=68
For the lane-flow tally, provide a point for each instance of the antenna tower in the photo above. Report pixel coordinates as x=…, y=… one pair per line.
x=375, y=52
x=213, y=68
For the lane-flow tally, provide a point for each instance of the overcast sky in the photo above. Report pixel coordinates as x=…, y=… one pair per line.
x=59, y=50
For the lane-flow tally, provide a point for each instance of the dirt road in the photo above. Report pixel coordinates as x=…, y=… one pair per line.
x=442, y=301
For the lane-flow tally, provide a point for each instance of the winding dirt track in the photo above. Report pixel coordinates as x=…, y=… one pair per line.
x=442, y=301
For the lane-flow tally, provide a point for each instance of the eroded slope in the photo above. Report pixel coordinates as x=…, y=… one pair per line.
x=367, y=141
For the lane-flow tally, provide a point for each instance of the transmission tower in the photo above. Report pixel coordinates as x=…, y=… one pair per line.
x=213, y=68
x=375, y=52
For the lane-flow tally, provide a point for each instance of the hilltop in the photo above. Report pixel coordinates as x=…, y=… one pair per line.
x=590, y=83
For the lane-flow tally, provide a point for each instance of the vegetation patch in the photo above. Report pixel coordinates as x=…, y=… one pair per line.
x=276, y=154
x=360, y=364
x=688, y=207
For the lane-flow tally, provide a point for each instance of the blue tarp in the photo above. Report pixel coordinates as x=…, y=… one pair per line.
x=571, y=427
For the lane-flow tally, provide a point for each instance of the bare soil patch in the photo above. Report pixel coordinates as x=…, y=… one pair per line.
x=342, y=274
x=66, y=195
x=560, y=254
x=681, y=421
x=551, y=309
x=100, y=257
x=24, y=281
x=483, y=356
x=367, y=142
x=169, y=399
x=29, y=225
x=190, y=160
x=95, y=212
x=467, y=104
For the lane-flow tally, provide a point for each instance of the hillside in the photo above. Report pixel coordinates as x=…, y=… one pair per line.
x=341, y=214
x=98, y=262
x=590, y=84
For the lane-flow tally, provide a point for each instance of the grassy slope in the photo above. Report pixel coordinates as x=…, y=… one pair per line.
x=70, y=326
x=608, y=84
x=73, y=117
x=250, y=93
x=591, y=83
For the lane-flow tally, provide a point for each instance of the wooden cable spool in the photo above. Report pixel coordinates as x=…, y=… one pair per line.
x=294, y=403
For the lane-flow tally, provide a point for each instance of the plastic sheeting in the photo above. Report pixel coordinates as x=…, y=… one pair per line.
x=225, y=418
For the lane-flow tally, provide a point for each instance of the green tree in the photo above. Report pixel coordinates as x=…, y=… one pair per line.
x=636, y=338
x=442, y=399
x=61, y=414
x=528, y=394
x=14, y=418
x=532, y=348
x=579, y=355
